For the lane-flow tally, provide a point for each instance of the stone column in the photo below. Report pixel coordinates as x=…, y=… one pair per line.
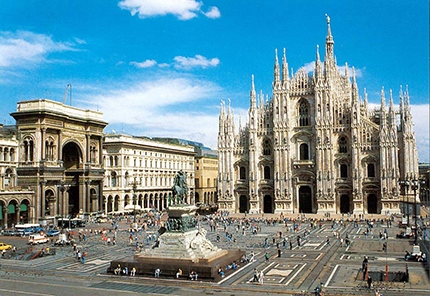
x=100, y=151
x=87, y=152
x=18, y=214
x=43, y=144
x=60, y=141
x=5, y=216
x=42, y=196
x=82, y=195
x=162, y=202
x=66, y=203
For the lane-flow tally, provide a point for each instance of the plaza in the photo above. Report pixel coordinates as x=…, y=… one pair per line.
x=298, y=271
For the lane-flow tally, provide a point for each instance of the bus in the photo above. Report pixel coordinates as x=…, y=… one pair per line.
x=27, y=229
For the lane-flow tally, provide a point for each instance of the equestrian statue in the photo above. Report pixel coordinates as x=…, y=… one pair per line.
x=179, y=189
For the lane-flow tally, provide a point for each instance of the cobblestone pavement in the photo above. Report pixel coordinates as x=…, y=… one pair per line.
x=298, y=271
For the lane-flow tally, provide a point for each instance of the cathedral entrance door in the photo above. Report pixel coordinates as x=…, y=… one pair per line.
x=344, y=204
x=372, y=204
x=243, y=204
x=268, y=204
x=305, y=199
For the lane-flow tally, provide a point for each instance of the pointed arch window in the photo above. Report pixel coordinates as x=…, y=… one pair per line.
x=343, y=145
x=343, y=171
x=303, y=113
x=304, y=151
x=242, y=173
x=267, y=147
x=371, y=170
x=267, y=173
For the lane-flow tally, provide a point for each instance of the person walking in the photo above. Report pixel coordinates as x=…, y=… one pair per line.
x=267, y=257
x=279, y=252
x=261, y=278
x=255, y=279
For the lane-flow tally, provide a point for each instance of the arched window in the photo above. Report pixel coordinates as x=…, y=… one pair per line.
x=371, y=170
x=303, y=113
x=343, y=145
x=304, y=151
x=343, y=171
x=28, y=149
x=242, y=173
x=267, y=173
x=6, y=154
x=113, y=179
x=267, y=147
x=12, y=154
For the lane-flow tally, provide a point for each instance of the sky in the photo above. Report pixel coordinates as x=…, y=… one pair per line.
x=160, y=68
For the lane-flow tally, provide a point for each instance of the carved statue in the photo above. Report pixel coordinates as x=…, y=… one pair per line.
x=180, y=188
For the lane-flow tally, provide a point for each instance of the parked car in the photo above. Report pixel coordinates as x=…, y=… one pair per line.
x=406, y=234
x=4, y=246
x=9, y=232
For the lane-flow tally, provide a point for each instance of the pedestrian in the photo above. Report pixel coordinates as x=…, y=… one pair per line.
x=279, y=252
x=369, y=282
x=261, y=277
x=178, y=273
x=83, y=257
x=267, y=257
x=291, y=245
x=157, y=273
x=133, y=271
x=255, y=279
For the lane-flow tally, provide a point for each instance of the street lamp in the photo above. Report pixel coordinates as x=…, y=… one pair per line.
x=405, y=185
x=414, y=187
x=134, y=187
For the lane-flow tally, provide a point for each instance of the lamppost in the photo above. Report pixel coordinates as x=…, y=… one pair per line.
x=415, y=187
x=405, y=185
x=134, y=187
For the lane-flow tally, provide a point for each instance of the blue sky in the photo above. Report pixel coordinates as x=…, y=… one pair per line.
x=161, y=67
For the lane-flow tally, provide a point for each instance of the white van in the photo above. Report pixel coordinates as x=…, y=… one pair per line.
x=35, y=239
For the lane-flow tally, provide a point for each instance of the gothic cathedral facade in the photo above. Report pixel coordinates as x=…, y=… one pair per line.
x=317, y=147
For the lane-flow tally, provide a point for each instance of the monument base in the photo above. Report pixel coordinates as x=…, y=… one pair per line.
x=183, y=247
x=206, y=269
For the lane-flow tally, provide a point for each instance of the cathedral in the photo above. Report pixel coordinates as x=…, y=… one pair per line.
x=317, y=147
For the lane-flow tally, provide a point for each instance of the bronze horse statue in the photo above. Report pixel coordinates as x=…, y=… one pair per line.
x=179, y=189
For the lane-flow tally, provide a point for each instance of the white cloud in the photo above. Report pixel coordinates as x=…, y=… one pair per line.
x=310, y=67
x=160, y=108
x=144, y=64
x=28, y=48
x=197, y=61
x=182, y=9
x=213, y=13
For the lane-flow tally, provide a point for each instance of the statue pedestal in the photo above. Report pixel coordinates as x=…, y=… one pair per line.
x=184, y=247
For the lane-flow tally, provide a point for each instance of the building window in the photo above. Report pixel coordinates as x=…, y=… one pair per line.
x=197, y=183
x=209, y=182
x=242, y=173
x=343, y=145
x=304, y=151
x=267, y=173
x=343, y=171
x=303, y=113
x=113, y=179
x=267, y=147
x=371, y=170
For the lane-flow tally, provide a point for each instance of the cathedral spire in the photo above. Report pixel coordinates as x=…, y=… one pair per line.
x=261, y=99
x=240, y=122
x=382, y=100
x=253, y=95
x=285, y=74
x=354, y=82
x=365, y=100
x=329, y=63
x=277, y=72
